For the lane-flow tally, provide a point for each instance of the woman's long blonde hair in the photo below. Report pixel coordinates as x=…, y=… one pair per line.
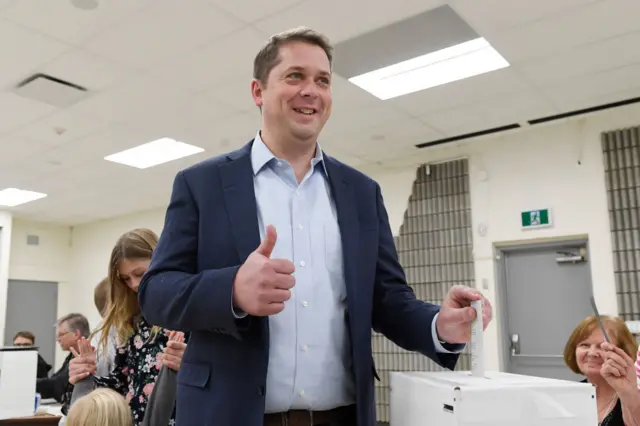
x=123, y=310
x=101, y=407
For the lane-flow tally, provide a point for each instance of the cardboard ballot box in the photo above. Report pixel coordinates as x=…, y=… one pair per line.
x=18, y=370
x=494, y=399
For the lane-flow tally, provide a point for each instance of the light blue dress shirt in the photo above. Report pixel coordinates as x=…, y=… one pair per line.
x=309, y=351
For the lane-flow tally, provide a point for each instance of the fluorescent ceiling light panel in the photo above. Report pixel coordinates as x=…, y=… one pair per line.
x=454, y=63
x=11, y=197
x=153, y=153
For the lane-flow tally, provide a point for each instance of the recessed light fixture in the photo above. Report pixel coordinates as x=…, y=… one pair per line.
x=11, y=197
x=454, y=63
x=153, y=153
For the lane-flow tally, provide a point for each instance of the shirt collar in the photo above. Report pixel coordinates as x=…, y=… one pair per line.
x=262, y=155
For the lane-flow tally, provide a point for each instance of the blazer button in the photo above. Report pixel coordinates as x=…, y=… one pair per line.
x=260, y=390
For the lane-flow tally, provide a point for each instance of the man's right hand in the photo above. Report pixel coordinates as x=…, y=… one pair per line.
x=262, y=284
x=83, y=363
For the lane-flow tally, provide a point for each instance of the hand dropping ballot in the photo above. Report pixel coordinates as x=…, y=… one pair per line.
x=489, y=398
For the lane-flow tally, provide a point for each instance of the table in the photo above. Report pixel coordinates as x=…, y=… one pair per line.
x=40, y=420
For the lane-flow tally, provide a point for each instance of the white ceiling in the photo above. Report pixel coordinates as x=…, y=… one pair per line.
x=181, y=69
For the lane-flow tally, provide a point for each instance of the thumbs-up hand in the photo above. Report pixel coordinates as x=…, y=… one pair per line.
x=262, y=284
x=456, y=314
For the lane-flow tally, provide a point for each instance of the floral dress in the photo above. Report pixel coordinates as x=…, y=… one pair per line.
x=136, y=367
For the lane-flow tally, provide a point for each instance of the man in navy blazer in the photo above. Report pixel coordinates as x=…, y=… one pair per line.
x=280, y=261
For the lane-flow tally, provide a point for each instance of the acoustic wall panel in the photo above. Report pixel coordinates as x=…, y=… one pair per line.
x=621, y=154
x=435, y=248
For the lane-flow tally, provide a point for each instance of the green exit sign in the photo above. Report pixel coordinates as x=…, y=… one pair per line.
x=536, y=219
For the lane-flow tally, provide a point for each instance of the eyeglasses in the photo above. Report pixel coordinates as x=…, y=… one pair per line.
x=60, y=335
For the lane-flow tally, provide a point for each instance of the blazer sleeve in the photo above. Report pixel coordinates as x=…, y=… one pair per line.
x=173, y=294
x=397, y=313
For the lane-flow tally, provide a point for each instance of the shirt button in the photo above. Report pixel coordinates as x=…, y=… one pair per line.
x=300, y=226
x=302, y=392
x=305, y=348
x=305, y=303
x=302, y=263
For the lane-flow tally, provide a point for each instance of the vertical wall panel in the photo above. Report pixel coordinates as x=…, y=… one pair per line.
x=435, y=248
x=621, y=154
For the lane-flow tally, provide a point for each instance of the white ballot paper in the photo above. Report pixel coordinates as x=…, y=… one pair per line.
x=477, y=341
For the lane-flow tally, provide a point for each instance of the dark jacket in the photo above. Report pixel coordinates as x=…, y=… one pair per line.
x=56, y=385
x=211, y=227
x=43, y=368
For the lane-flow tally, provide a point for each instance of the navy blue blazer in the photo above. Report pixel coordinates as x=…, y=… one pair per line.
x=211, y=227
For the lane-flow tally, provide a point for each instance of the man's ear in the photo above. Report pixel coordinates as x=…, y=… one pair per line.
x=256, y=92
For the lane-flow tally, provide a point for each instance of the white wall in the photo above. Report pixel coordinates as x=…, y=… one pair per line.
x=556, y=166
x=48, y=261
x=5, y=251
x=529, y=169
x=90, y=252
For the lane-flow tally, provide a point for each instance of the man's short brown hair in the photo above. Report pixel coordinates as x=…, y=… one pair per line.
x=616, y=330
x=269, y=56
x=101, y=296
x=25, y=335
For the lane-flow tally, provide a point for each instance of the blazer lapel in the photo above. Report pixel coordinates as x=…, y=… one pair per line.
x=343, y=194
x=240, y=200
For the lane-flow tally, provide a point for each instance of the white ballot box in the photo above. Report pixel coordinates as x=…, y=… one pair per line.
x=494, y=399
x=18, y=371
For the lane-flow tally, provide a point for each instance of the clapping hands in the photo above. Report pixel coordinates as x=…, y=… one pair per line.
x=172, y=353
x=83, y=363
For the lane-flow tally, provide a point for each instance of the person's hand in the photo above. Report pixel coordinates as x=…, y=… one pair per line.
x=618, y=368
x=83, y=363
x=172, y=353
x=262, y=284
x=456, y=314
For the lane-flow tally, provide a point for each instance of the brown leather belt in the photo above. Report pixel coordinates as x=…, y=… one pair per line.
x=309, y=418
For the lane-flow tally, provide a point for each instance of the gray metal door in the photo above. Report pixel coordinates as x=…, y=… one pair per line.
x=547, y=291
x=33, y=306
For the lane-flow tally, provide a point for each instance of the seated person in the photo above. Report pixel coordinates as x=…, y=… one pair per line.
x=70, y=329
x=102, y=407
x=608, y=366
x=27, y=338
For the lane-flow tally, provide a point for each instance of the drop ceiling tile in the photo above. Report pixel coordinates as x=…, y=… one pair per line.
x=61, y=127
x=584, y=60
x=217, y=62
x=349, y=22
x=63, y=21
x=592, y=86
x=125, y=101
x=597, y=21
x=482, y=15
x=466, y=118
x=235, y=92
x=462, y=92
x=14, y=149
x=345, y=119
x=17, y=111
x=581, y=102
x=166, y=30
x=87, y=70
x=347, y=93
x=516, y=108
x=257, y=10
x=26, y=54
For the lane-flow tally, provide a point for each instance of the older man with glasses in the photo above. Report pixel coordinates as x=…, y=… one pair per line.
x=70, y=329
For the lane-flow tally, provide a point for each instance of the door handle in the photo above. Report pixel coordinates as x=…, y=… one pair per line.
x=515, y=344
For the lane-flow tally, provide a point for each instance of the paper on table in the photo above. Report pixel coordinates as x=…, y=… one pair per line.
x=477, y=341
